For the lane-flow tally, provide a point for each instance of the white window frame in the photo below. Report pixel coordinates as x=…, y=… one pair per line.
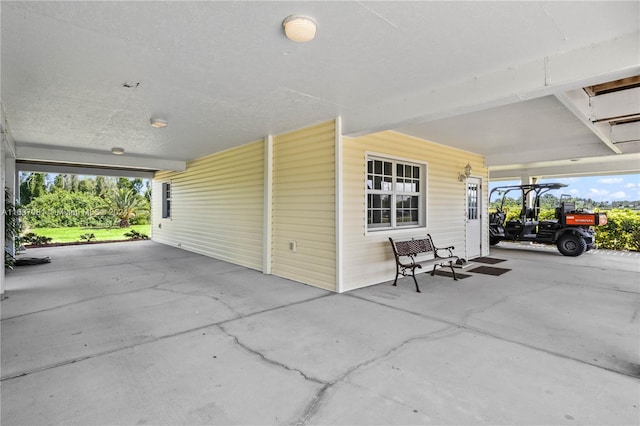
x=166, y=200
x=395, y=191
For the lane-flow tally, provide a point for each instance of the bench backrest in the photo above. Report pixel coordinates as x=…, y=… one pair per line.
x=412, y=247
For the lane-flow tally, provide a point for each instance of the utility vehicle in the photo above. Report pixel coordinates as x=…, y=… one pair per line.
x=571, y=230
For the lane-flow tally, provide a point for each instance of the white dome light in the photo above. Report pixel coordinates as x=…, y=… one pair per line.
x=299, y=28
x=158, y=123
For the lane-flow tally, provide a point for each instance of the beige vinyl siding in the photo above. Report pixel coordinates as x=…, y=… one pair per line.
x=368, y=258
x=303, y=199
x=217, y=206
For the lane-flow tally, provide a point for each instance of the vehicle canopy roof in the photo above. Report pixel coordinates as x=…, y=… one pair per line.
x=530, y=187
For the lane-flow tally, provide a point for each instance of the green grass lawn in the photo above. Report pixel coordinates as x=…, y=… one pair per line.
x=69, y=235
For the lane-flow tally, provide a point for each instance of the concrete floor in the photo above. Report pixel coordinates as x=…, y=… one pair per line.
x=141, y=333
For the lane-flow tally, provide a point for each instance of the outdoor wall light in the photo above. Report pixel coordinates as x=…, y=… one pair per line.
x=158, y=123
x=298, y=28
x=466, y=174
x=117, y=151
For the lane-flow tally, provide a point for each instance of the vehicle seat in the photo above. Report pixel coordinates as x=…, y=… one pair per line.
x=528, y=214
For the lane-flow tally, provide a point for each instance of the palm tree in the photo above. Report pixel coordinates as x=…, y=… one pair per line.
x=124, y=204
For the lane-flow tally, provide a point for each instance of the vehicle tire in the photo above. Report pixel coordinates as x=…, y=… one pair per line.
x=494, y=240
x=571, y=245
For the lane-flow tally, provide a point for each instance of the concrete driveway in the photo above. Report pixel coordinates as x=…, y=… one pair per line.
x=142, y=333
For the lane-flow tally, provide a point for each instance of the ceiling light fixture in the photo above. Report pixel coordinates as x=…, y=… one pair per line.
x=299, y=28
x=117, y=151
x=158, y=123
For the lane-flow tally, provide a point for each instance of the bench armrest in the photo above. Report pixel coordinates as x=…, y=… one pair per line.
x=413, y=263
x=449, y=251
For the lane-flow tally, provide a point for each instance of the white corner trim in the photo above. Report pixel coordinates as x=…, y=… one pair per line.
x=339, y=205
x=267, y=235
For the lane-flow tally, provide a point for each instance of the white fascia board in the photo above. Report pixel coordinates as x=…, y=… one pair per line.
x=609, y=165
x=625, y=133
x=84, y=158
x=616, y=104
x=606, y=61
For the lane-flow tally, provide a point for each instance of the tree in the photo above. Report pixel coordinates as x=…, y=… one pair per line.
x=37, y=184
x=136, y=185
x=124, y=204
x=147, y=191
x=71, y=183
x=32, y=185
x=86, y=186
x=104, y=185
x=124, y=183
x=58, y=183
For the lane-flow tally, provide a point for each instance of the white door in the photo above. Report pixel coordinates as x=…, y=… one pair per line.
x=474, y=217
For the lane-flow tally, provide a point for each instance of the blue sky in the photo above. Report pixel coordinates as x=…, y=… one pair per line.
x=598, y=188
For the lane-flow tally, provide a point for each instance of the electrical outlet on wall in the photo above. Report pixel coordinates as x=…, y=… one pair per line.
x=293, y=246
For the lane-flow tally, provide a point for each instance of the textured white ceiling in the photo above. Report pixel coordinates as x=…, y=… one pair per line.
x=223, y=74
x=537, y=130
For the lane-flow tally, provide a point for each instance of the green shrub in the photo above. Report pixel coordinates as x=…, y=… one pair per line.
x=547, y=214
x=622, y=231
x=36, y=240
x=64, y=209
x=135, y=235
x=88, y=237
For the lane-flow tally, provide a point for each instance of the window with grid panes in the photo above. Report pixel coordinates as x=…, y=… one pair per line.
x=166, y=200
x=395, y=194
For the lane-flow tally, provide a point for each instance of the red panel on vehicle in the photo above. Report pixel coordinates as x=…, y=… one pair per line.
x=581, y=219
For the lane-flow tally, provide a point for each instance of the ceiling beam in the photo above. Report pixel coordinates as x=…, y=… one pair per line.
x=577, y=101
x=39, y=154
x=609, y=165
x=82, y=170
x=611, y=60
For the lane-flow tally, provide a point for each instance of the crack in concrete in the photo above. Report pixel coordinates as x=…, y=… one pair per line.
x=465, y=318
x=163, y=277
x=153, y=287
x=153, y=340
x=275, y=308
x=313, y=407
x=467, y=327
x=269, y=360
x=208, y=296
x=76, y=302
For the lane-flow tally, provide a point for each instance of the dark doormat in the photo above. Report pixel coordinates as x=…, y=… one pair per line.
x=489, y=260
x=489, y=270
x=26, y=261
x=449, y=274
